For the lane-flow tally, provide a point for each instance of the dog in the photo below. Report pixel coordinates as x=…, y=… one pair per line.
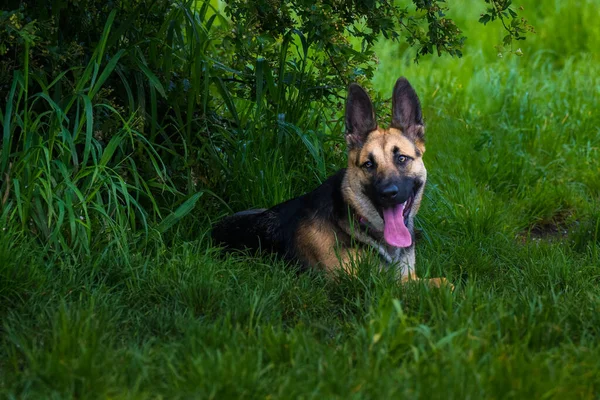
x=371, y=204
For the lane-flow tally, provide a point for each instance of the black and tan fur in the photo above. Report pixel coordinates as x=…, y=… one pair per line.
x=331, y=226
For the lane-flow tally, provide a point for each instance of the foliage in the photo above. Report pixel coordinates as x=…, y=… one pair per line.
x=516, y=29
x=336, y=37
x=67, y=180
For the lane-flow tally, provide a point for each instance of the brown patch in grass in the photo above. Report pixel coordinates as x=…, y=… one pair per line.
x=550, y=231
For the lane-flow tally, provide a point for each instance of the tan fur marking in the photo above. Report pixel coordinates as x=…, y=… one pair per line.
x=419, y=144
x=317, y=242
x=381, y=145
x=433, y=282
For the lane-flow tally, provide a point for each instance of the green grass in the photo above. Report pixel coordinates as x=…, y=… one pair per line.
x=511, y=216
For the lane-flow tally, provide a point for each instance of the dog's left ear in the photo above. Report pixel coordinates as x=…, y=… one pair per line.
x=406, y=111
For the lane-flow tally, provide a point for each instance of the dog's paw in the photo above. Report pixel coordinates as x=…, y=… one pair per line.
x=433, y=282
x=440, y=282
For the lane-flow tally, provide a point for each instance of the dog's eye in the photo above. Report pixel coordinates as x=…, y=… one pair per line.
x=367, y=165
x=402, y=159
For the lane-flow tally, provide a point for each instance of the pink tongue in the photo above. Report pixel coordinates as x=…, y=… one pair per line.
x=394, y=231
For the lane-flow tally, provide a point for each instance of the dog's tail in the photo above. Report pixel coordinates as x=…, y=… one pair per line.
x=242, y=230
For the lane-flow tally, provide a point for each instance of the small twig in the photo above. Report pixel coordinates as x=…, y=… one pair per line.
x=336, y=68
x=410, y=31
x=499, y=12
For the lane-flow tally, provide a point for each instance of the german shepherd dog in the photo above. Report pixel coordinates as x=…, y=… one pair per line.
x=370, y=204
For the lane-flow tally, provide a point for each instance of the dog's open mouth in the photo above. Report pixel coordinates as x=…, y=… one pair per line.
x=395, y=219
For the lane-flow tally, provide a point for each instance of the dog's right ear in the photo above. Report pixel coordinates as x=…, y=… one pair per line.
x=360, y=116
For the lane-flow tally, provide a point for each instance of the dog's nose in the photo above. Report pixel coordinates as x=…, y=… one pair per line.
x=389, y=192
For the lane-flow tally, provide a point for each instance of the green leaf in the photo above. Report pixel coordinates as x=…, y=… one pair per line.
x=152, y=78
x=178, y=214
x=485, y=19
x=6, y=138
x=89, y=127
x=227, y=99
x=259, y=74
x=105, y=74
x=110, y=149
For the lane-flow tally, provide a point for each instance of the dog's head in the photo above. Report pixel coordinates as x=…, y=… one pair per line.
x=386, y=175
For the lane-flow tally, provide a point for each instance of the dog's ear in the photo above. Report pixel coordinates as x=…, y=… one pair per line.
x=406, y=111
x=360, y=116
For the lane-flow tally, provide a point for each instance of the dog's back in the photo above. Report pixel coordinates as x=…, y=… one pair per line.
x=276, y=229
x=243, y=230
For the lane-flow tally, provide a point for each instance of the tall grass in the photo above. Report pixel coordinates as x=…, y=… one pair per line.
x=277, y=139
x=524, y=142
x=85, y=167
x=73, y=186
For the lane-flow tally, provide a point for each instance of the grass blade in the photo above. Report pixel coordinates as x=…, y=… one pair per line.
x=181, y=211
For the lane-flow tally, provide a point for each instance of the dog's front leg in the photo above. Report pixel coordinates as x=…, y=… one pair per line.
x=406, y=269
x=404, y=263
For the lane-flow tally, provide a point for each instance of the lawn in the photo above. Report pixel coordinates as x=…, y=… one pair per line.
x=511, y=216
